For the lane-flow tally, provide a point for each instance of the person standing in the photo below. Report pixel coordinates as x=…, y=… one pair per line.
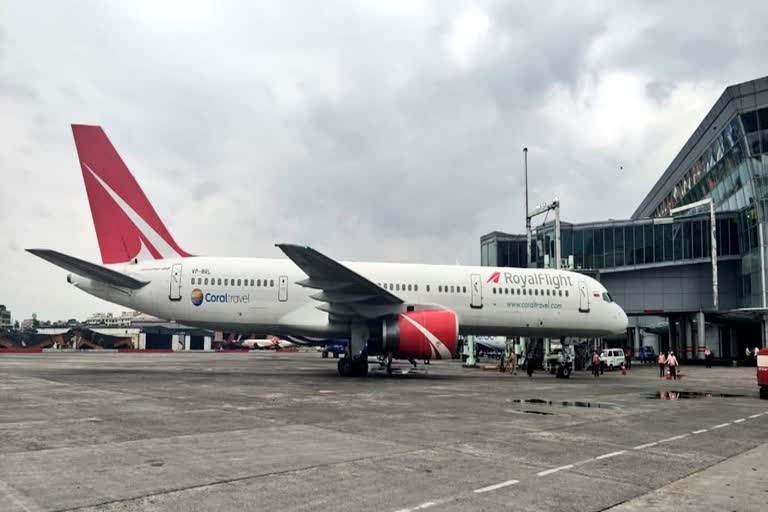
x=512, y=362
x=595, y=363
x=708, y=356
x=672, y=364
x=662, y=360
x=628, y=358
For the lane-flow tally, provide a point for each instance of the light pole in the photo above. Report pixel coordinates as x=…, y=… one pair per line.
x=544, y=208
x=527, y=217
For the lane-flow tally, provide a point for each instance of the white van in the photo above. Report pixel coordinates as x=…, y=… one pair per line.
x=612, y=358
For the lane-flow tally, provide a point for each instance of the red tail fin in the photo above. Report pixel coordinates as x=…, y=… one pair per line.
x=126, y=225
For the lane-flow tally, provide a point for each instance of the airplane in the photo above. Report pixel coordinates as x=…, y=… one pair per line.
x=273, y=342
x=389, y=310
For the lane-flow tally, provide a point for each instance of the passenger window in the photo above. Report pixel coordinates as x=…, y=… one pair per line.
x=547, y=293
x=464, y=289
x=566, y=293
x=439, y=288
x=193, y=280
x=415, y=287
x=494, y=291
x=451, y=289
x=219, y=283
x=238, y=282
x=559, y=293
x=272, y=283
x=251, y=283
x=205, y=281
x=427, y=287
x=410, y=288
x=397, y=287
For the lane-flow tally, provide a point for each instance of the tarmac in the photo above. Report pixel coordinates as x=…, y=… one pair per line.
x=281, y=431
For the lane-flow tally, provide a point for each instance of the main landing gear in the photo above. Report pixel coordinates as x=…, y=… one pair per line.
x=353, y=367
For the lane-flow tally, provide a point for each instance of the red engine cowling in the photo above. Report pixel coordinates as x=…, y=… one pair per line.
x=428, y=334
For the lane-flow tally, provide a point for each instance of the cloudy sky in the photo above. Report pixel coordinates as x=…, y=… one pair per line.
x=372, y=130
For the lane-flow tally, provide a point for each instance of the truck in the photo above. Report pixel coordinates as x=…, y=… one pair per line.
x=762, y=372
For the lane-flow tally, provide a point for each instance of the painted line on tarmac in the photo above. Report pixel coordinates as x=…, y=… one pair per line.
x=496, y=486
x=609, y=455
x=554, y=470
x=675, y=438
x=548, y=472
x=420, y=507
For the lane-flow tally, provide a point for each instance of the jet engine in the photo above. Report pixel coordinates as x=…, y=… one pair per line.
x=428, y=334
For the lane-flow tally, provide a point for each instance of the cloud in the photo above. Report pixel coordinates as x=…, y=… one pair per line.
x=372, y=130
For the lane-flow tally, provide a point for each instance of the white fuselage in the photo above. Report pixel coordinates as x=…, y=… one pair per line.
x=261, y=295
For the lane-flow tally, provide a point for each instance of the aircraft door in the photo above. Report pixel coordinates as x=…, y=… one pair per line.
x=175, y=292
x=476, y=288
x=282, y=288
x=583, y=297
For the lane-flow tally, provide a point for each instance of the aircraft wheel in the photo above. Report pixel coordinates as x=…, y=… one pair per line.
x=325, y=354
x=764, y=392
x=565, y=373
x=335, y=355
x=345, y=367
x=362, y=368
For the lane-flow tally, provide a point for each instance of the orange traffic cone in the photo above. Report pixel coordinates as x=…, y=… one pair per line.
x=623, y=369
x=669, y=375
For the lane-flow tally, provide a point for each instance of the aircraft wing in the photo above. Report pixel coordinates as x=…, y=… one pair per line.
x=344, y=292
x=88, y=269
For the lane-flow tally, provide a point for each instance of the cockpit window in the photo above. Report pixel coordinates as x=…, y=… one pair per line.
x=607, y=297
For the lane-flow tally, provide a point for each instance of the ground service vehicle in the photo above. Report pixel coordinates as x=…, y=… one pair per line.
x=762, y=372
x=612, y=358
x=646, y=355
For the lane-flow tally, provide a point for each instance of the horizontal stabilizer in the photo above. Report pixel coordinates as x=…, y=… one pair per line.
x=87, y=269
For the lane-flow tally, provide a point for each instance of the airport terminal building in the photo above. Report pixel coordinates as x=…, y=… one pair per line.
x=658, y=265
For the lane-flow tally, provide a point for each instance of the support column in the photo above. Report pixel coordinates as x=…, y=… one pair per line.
x=636, y=340
x=670, y=334
x=701, y=341
x=764, y=331
x=688, y=344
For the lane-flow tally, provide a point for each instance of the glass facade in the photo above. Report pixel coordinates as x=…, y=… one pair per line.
x=620, y=243
x=504, y=250
x=733, y=171
x=639, y=242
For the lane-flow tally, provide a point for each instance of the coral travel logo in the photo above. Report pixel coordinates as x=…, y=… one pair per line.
x=197, y=296
x=494, y=278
